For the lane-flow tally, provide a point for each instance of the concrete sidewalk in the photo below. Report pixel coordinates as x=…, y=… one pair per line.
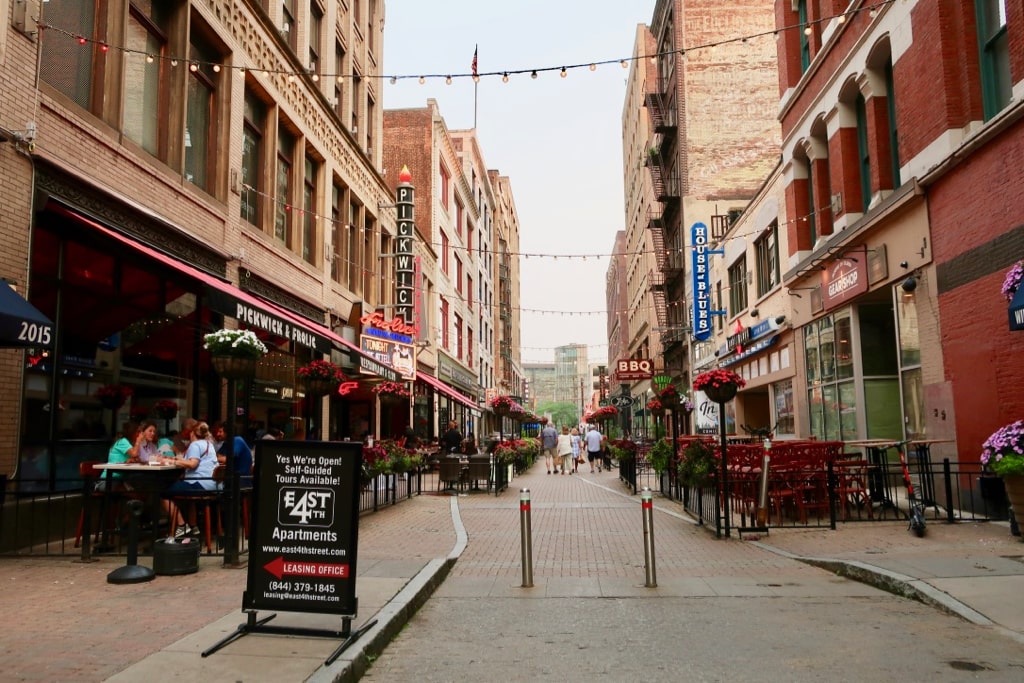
x=74, y=626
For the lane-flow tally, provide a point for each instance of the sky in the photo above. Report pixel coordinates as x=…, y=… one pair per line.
x=558, y=140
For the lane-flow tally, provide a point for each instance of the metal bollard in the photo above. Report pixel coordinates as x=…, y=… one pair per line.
x=527, y=541
x=647, y=506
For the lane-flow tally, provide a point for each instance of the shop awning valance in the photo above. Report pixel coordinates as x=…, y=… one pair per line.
x=21, y=323
x=443, y=388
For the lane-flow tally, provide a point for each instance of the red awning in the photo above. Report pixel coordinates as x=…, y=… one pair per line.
x=235, y=303
x=447, y=390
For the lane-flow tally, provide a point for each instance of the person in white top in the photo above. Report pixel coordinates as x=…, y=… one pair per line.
x=565, y=448
x=593, y=440
x=574, y=435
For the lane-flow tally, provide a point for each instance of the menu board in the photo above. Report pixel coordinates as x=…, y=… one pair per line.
x=305, y=527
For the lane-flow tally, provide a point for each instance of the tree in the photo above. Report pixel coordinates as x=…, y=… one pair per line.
x=561, y=413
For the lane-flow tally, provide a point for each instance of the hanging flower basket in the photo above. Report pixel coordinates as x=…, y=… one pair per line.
x=233, y=367
x=320, y=377
x=234, y=353
x=719, y=385
x=390, y=393
x=166, y=410
x=502, y=405
x=656, y=407
x=113, y=396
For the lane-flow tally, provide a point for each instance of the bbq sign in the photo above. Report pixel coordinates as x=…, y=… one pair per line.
x=302, y=556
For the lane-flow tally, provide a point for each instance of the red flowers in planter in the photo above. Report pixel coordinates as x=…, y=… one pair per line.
x=322, y=370
x=717, y=378
x=396, y=389
x=113, y=395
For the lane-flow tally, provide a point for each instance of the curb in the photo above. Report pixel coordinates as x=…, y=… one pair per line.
x=393, y=616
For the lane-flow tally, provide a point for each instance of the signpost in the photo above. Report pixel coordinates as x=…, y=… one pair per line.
x=302, y=555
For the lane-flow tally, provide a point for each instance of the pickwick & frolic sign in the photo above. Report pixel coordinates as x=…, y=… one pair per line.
x=405, y=262
x=842, y=280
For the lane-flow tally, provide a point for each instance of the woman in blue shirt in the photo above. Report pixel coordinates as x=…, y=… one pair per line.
x=199, y=461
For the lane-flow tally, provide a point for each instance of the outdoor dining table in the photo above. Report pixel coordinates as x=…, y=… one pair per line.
x=143, y=478
x=878, y=482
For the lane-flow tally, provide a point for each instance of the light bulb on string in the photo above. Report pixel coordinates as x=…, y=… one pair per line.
x=174, y=62
x=476, y=78
x=393, y=80
x=564, y=72
x=593, y=67
x=149, y=59
x=624, y=64
x=533, y=75
x=504, y=77
x=422, y=80
x=193, y=67
x=448, y=80
x=216, y=70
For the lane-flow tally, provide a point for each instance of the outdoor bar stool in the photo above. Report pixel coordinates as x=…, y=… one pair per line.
x=206, y=501
x=88, y=472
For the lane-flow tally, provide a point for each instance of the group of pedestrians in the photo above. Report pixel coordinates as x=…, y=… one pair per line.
x=566, y=451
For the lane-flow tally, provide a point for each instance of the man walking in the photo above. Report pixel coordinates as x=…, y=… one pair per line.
x=593, y=440
x=549, y=441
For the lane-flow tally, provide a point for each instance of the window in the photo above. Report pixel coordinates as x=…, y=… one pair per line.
x=738, y=287
x=996, y=86
x=337, y=234
x=767, y=249
x=785, y=415
x=459, y=212
x=863, y=152
x=368, y=125
x=444, y=253
x=457, y=330
x=252, y=158
x=354, y=124
x=145, y=103
x=805, y=37
x=443, y=324
x=469, y=241
x=288, y=30
x=309, y=223
x=445, y=179
x=469, y=347
x=458, y=275
x=283, y=188
x=200, y=137
x=352, y=262
x=369, y=274
x=339, y=69
x=65, y=64
x=469, y=291
x=316, y=20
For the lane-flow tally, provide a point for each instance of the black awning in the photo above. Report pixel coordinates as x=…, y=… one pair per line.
x=21, y=323
x=1017, y=310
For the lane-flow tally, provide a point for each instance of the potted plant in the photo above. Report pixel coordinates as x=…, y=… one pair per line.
x=669, y=396
x=391, y=391
x=623, y=450
x=321, y=376
x=375, y=462
x=1012, y=281
x=697, y=464
x=1003, y=454
x=655, y=406
x=113, y=396
x=719, y=385
x=166, y=409
x=398, y=457
x=660, y=455
x=234, y=352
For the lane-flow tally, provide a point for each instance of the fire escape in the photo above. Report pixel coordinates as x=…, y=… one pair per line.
x=661, y=156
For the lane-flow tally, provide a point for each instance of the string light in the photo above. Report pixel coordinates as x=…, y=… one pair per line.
x=504, y=78
x=422, y=80
x=149, y=59
x=534, y=75
x=840, y=18
x=448, y=80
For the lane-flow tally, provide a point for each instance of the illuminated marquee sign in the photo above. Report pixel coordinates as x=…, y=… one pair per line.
x=702, y=282
x=405, y=262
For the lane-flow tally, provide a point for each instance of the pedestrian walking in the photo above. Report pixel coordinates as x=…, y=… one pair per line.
x=574, y=436
x=564, y=449
x=549, y=442
x=593, y=440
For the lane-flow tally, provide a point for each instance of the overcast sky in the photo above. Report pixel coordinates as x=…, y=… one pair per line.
x=558, y=140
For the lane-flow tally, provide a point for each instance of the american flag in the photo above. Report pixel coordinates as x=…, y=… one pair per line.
x=475, y=49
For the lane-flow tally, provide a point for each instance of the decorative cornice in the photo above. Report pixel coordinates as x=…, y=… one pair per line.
x=111, y=209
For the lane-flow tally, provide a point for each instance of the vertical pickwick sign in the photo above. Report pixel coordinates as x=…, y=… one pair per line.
x=405, y=268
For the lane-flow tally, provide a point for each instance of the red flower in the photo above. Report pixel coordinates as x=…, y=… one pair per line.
x=717, y=378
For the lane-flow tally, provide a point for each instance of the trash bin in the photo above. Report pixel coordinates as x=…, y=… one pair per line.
x=172, y=557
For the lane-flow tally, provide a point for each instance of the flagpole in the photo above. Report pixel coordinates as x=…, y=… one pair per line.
x=476, y=82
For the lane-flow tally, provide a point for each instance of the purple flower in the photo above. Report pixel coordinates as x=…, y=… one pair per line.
x=1012, y=280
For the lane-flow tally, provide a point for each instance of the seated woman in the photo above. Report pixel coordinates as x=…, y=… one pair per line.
x=199, y=461
x=124, y=450
x=469, y=445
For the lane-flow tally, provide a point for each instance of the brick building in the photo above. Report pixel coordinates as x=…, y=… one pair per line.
x=177, y=167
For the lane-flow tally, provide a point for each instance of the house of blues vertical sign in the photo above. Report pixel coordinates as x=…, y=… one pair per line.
x=405, y=271
x=701, y=269
x=302, y=555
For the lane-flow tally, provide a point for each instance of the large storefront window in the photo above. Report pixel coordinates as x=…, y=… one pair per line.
x=832, y=396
